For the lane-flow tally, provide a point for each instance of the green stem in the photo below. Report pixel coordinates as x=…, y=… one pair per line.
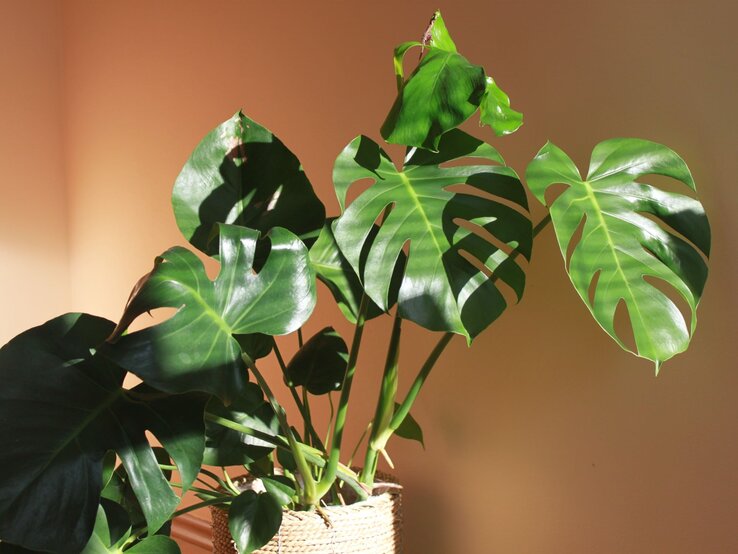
x=312, y=455
x=302, y=407
x=541, y=225
x=208, y=492
x=385, y=404
x=308, y=495
x=230, y=424
x=412, y=394
x=404, y=407
x=335, y=452
x=203, y=504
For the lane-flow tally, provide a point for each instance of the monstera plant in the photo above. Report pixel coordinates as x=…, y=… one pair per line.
x=435, y=239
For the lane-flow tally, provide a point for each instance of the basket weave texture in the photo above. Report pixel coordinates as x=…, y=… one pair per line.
x=372, y=526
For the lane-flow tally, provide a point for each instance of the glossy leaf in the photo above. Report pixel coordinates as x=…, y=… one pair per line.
x=225, y=447
x=62, y=408
x=253, y=520
x=195, y=348
x=495, y=110
x=320, y=364
x=630, y=231
x=410, y=429
x=332, y=268
x=242, y=174
x=441, y=93
x=281, y=488
x=456, y=238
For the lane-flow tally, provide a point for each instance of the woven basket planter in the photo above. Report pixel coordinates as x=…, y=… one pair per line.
x=373, y=526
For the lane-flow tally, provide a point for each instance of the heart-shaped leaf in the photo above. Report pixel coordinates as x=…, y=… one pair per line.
x=457, y=240
x=242, y=174
x=496, y=112
x=253, y=520
x=320, y=364
x=62, y=408
x=410, y=429
x=281, y=488
x=440, y=94
x=195, y=349
x=629, y=233
x=225, y=447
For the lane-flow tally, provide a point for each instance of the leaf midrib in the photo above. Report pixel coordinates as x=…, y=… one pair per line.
x=611, y=245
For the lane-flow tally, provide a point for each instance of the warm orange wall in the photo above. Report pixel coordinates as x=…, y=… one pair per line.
x=33, y=215
x=544, y=438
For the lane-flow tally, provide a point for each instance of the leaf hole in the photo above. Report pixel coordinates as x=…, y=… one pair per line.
x=261, y=253
x=483, y=233
x=672, y=294
x=593, y=287
x=575, y=239
x=512, y=197
x=553, y=192
x=506, y=291
x=149, y=319
x=358, y=188
x=667, y=184
x=623, y=327
x=669, y=229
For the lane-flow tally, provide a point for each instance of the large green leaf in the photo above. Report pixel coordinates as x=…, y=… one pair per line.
x=224, y=446
x=442, y=289
x=195, y=348
x=62, y=408
x=320, y=365
x=253, y=520
x=332, y=268
x=441, y=93
x=630, y=232
x=242, y=174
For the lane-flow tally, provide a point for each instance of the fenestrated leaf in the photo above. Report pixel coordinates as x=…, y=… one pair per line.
x=242, y=174
x=620, y=245
x=320, y=364
x=225, y=447
x=441, y=288
x=332, y=268
x=62, y=408
x=410, y=429
x=253, y=520
x=440, y=94
x=195, y=348
x=496, y=112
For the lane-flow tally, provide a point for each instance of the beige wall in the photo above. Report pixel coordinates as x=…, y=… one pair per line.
x=34, y=276
x=544, y=437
